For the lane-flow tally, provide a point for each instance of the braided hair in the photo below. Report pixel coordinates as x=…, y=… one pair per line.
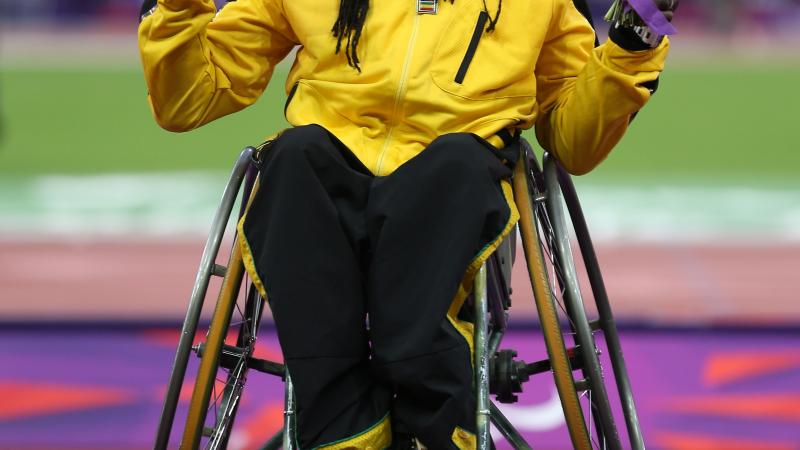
x=352, y=14
x=492, y=22
x=350, y=22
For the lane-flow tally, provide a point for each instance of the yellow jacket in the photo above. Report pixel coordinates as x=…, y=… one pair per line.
x=537, y=67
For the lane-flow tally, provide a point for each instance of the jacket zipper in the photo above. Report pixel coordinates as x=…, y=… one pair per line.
x=399, y=94
x=473, y=46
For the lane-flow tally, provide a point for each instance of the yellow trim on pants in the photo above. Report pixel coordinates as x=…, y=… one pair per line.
x=463, y=327
x=247, y=252
x=463, y=439
x=376, y=437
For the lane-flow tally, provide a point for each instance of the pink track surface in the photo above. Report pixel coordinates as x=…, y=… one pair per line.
x=152, y=280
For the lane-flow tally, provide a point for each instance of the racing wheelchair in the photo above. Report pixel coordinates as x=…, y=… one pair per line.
x=549, y=214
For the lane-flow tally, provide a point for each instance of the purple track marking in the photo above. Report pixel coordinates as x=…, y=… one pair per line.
x=96, y=389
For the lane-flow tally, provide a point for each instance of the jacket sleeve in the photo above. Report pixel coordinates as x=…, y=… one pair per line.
x=586, y=96
x=200, y=65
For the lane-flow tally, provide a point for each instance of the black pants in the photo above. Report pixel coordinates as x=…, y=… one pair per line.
x=360, y=272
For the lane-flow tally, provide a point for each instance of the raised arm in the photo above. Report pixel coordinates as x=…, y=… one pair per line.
x=200, y=65
x=587, y=95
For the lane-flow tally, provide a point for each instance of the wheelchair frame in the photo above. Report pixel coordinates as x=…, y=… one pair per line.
x=540, y=196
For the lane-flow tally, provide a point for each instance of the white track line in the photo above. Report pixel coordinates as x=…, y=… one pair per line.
x=178, y=203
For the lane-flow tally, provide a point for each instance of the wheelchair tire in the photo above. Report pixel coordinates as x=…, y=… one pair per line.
x=221, y=362
x=196, y=428
x=544, y=227
x=524, y=197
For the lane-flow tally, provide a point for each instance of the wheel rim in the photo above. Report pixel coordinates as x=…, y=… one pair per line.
x=543, y=262
x=557, y=237
x=223, y=365
x=562, y=370
x=605, y=316
x=243, y=171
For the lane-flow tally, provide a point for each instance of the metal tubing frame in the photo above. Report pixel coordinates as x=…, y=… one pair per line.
x=497, y=293
x=289, y=416
x=495, y=338
x=275, y=442
x=508, y=431
x=204, y=272
x=483, y=438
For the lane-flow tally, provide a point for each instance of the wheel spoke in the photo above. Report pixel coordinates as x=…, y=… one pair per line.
x=214, y=396
x=555, y=274
x=245, y=322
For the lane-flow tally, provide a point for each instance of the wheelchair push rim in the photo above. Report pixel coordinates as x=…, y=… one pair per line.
x=606, y=319
x=207, y=268
x=213, y=407
x=557, y=238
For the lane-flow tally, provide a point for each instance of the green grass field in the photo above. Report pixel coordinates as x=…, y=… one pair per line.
x=707, y=123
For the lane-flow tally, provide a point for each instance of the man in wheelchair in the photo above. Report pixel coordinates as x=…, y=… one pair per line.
x=374, y=211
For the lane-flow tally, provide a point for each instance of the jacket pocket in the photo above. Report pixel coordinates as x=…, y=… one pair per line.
x=471, y=63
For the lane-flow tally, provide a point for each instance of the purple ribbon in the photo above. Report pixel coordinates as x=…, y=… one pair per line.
x=652, y=17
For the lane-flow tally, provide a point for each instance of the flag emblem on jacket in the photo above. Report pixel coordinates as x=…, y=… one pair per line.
x=427, y=6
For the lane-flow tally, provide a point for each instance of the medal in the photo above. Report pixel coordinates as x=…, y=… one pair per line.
x=427, y=6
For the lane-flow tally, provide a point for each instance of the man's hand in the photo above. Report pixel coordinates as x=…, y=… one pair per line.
x=630, y=32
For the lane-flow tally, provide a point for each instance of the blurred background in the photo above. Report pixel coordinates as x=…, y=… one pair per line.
x=103, y=217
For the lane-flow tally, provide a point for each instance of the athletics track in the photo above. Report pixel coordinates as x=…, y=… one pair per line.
x=101, y=388
x=149, y=280
x=94, y=378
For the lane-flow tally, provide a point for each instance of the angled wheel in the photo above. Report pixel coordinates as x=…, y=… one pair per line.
x=604, y=322
x=527, y=197
x=226, y=352
x=208, y=268
x=223, y=365
x=569, y=334
x=226, y=356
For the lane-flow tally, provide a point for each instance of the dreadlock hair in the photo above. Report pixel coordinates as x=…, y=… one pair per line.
x=350, y=22
x=492, y=22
